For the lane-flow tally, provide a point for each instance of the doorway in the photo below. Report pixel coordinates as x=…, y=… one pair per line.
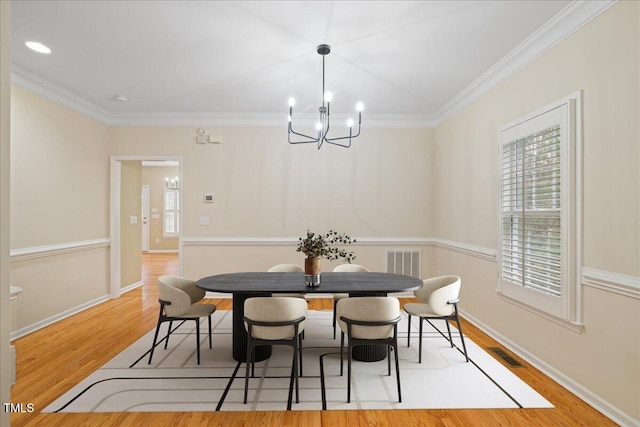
x=124, y=224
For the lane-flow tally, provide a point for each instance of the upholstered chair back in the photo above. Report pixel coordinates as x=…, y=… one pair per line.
x=285, y=268
x=180, y=292
x=438, y=291
x=351, y=268
x=275, y=309
x=369, y=309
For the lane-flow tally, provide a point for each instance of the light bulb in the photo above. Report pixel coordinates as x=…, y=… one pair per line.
x=328, y=96
x=292, y=102
x=289, y=118
x=319, y=126
x=359, y=106
x=350, y=123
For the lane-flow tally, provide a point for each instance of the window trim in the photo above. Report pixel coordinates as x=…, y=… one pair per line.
x=567, y=308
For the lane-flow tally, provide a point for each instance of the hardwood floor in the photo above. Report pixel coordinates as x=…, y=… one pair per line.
x=54, y=359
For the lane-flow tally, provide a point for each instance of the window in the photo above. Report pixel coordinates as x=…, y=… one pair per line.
x=171, y=217
x=538, y=221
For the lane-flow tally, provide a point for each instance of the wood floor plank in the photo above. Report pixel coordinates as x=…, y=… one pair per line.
x=56, y=358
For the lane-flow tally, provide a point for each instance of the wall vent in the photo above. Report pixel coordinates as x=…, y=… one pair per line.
x=405, y=262
x=508, y=359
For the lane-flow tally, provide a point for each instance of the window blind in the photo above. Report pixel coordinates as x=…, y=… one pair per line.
x=171, y=211
x=531, y=212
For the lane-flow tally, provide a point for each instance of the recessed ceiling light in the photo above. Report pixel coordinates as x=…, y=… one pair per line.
x=122, y=98
x=38, y=47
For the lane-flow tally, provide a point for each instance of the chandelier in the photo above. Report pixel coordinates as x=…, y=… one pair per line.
x=323, y=125
x=172, y=183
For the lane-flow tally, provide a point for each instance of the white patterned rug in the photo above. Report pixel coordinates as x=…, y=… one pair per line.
x=175, y=383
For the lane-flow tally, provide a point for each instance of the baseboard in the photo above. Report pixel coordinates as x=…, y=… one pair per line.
x=132, y=286
x=53, y=319
x=162, y=251
x=574, y=387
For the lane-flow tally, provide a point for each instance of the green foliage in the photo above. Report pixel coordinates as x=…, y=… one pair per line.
x=326, y=246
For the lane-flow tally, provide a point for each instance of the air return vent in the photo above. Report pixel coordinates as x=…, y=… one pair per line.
x=405, y=262
x=506, y=357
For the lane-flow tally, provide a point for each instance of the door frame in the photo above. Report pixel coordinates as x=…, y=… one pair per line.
x=145, y=217
x=114, y=215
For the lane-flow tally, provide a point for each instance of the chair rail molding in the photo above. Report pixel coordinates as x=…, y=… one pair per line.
x=612, y=282
x=288, y=241
x=22, y=254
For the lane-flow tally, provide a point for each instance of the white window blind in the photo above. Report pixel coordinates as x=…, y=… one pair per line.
x=537, y=211
x=531, y=207
x=171, y=212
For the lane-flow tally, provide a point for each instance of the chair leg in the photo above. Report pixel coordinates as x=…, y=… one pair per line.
x=464, y=347
x=300, y=353
x=294, y=370
x=409, y=332
x=166, y=340
x=296, y=360
x=389, y=360
x=335, y=305
x=210, y=332
x=349, y=373
x=446, y=321
x=395, y=347
x=341, y=352
x=155, y=338
x=246, y=375
x=198, y=339
x=420, y=342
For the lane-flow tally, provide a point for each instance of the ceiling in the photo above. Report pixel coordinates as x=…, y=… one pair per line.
x=400, y=58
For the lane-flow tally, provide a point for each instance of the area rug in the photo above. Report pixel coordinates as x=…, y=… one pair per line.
x=174, y=382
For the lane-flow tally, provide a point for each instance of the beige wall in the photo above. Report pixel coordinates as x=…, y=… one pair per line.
x=130, y=233
x=392, y=184
x=59, y=197
x=265, y=188
x=154, y=177
x=5, y=97
x=601, y=59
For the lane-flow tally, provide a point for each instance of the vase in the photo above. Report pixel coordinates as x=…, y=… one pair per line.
x=312, y=271
x=312, y=265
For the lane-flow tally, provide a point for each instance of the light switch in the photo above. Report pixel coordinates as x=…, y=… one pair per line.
x=133, y=219
x=155, y=216
x=204, y=220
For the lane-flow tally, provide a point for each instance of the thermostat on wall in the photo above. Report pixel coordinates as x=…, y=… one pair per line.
x=208, y=198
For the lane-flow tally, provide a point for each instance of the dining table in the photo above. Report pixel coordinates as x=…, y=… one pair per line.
x=243, y=285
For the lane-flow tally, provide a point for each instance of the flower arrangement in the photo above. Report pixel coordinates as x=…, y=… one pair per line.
x=324, y=246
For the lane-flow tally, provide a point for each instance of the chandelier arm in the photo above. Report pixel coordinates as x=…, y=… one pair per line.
x=341, y=145
x=345, y=137
x=310, y=139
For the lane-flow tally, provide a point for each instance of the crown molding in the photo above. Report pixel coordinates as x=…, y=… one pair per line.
x=573, y=17
x=31, y=82
x=260, y=120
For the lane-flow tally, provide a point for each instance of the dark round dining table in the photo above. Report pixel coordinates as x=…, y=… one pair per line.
x=251, y=284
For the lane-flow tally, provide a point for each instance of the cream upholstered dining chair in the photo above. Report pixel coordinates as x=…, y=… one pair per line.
x=350, y=268
x=275, y=321
x=178, y=298
x=440, y=297
x=288, y=268
x=369, y=320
